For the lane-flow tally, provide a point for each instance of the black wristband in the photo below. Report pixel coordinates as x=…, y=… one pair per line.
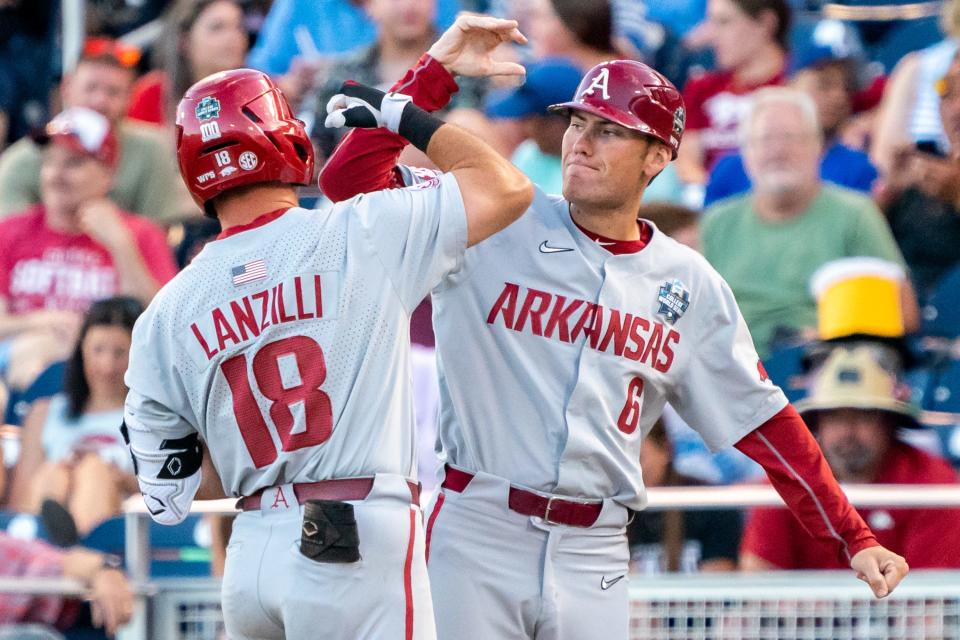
x=418, y=126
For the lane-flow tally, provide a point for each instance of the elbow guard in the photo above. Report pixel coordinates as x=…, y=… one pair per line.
x=168, y=472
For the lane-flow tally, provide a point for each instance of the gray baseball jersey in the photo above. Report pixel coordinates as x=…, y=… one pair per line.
x=556, y=356
x=286, y=346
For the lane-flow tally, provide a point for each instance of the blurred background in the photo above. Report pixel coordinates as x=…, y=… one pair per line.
x=819, y=174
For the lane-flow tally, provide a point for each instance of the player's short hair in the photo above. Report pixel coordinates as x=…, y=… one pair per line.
x=778, y=97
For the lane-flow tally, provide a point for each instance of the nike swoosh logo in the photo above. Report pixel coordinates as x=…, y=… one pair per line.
x=545, y=248
x=605, y=584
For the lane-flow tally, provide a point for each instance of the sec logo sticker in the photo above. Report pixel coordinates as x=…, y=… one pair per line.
x=248, y=161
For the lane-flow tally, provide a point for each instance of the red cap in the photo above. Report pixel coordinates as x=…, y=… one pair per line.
x=235, y=128
x=84, y=131
x=634, y=96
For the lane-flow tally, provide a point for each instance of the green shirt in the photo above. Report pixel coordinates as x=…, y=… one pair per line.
x=769, y=264
x=147, y=181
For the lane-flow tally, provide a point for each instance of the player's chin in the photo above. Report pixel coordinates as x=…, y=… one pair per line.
x=577, y=186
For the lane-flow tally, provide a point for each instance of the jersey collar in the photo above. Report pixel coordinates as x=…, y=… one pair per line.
x=618, y=247
x=259, y=221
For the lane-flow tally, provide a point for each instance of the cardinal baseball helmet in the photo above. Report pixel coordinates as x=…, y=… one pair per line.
x=235, y=128
x=634, y=96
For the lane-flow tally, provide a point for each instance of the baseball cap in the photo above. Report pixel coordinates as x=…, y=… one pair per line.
x=827, y=42
x=548, y=82
x=84, y=131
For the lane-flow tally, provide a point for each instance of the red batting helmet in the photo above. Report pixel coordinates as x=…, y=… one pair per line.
x=235, y=128
x=634, y=96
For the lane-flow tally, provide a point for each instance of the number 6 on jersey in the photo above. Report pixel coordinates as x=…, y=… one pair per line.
x=630, y=414
x=270, y=364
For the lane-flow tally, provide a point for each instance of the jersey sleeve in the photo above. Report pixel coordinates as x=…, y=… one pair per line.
x=164, y=445
x=366, y=159
x=418, y=233
x=787, y=451
x=724, y=393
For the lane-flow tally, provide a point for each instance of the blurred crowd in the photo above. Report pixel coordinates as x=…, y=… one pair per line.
x=819, y=173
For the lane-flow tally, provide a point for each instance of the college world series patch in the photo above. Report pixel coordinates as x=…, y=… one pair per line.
x=207, y=108
x=674, y=298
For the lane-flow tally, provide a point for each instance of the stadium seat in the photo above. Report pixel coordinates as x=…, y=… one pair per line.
x=785, y=368
x=25, y=526
x=940, y=316
x=48, y=383
x=178, y=551
x=944, y=390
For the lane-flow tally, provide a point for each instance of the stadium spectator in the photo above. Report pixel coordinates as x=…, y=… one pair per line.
x=855, y=408
x=581, y=31
x=680, y=223
x=73, y=248
x=678, y=541
x=146, y=181
x=307, y=32
x=909, y=113
x=111, y=599
x=828, y=75
x=404, y=31
x=548, y=82
x=790, y=223
x=27, y=61
x=749, y=41
x=71, y=448
x=925, y=216
x=200, y=37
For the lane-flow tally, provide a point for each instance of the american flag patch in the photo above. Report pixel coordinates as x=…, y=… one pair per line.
x=249, y=272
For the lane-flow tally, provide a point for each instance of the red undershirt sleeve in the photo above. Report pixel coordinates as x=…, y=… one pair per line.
x=366, y=159
x=789, y=454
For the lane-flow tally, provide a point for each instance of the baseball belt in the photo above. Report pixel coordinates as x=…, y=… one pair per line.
x=339, y=489
x=552, y=509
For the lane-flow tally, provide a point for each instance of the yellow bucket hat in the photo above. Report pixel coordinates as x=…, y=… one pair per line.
x=851, y=378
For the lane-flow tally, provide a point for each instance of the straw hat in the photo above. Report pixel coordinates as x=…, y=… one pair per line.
x=851, y=378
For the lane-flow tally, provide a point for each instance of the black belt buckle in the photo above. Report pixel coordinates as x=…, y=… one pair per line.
x=329, y=532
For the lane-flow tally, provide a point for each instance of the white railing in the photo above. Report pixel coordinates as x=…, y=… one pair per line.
x=808, y=605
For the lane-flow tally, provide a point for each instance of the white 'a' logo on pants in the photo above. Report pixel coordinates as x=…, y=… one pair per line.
x=599, y=81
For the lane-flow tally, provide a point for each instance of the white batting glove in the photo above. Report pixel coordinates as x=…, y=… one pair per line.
x=358, y=105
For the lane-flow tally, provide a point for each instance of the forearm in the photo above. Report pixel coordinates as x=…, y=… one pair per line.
x=82, y=564
x=135, y=278
x=11, y=325
x=366, y=159
x=787, y=451
x=495, y=193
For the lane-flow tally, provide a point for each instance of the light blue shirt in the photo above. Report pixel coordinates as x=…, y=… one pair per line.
x=334, y=26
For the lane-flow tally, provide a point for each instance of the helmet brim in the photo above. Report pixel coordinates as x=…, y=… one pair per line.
x=613, y=115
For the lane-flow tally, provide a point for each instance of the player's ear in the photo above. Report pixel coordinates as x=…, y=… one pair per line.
x=658, y=156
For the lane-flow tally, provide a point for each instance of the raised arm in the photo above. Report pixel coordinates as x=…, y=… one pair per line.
x=366, y=159
x=494, y=192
